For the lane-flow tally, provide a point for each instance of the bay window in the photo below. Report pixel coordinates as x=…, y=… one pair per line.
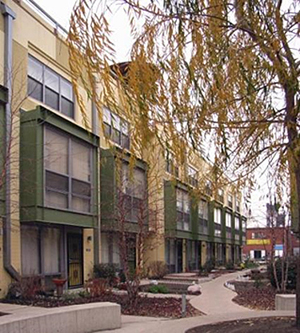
x=183, y=207
x=218, y=221
x=67, y=163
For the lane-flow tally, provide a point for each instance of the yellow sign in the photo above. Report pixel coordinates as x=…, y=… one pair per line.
x=258, y=241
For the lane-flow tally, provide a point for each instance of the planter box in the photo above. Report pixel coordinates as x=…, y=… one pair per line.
x=285, y=302
x=85, y=318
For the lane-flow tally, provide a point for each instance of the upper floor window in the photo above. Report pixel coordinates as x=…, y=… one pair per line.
x=203, y=216
x=183, y=207
x=208, y=187
x=192, y=176
x=229, y=201
x=237, y=223
x=135, y=193
x=237, y=205
x=257, y=235
x=244, y=226
x=170, y=163
x=228, y=220
x=218, y=221
x=220, y=195
x=116, y=129
x=217, y=216
x=68, y=172
x=50, y=88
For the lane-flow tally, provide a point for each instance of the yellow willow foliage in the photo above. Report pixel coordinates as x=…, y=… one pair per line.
x=222, y=74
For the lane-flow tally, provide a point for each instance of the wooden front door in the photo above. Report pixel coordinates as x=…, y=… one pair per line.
x=75, y=262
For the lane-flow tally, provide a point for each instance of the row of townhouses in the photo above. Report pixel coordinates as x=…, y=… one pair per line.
x=58, y=187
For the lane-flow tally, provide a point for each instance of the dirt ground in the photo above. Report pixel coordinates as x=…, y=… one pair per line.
x=256, y=325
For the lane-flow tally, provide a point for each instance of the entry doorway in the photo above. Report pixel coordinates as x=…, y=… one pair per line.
x=179, y=256
x=75, y=260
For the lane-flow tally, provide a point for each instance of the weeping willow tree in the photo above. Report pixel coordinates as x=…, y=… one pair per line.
x=223, y=74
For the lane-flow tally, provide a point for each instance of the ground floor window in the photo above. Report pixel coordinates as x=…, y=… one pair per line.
x=40, y=250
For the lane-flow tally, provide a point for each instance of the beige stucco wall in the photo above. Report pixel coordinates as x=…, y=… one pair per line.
x=88, y=253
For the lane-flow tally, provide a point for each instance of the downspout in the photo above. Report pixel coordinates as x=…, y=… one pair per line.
x=9, y=16
x=97, y=230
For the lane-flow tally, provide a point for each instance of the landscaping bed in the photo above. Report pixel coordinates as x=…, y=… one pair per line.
x=261, y=298
x=261, y=325
x=145, y=306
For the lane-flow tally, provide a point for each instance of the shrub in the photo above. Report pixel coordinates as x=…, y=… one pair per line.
x=122, y=276
x=209, y=266
x=158, y=289
x=106, y=271
x=292, y=273
x=250, y=264
x=97, y=287
x=157, y=270
x=26, y=288
x=229, y=265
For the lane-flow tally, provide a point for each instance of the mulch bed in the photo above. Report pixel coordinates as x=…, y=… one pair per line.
x=261, y=298
x=256, y=325
x=154, y=307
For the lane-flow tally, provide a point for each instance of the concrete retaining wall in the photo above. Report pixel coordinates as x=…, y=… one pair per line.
x=285, y=302
x=83, y=318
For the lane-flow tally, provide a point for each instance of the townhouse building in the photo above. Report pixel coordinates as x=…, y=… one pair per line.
x=60, y=175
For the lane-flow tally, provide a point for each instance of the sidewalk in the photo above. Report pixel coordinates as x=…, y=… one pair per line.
x=215, y=301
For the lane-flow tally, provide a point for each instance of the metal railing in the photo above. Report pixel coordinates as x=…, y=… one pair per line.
x=47, y=17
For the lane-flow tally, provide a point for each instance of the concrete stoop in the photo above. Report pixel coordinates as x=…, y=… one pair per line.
x=84, y=318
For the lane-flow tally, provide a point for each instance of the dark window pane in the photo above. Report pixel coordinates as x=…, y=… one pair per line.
x=66, y=89
x=81, y=188
x=51, y=98
x=116, y=136
x=67, y=107
x=125, y=141
x=107, y=129
x=56, y=182
x=35, y=89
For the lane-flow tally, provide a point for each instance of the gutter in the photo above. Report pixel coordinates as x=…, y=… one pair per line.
x=9, y=16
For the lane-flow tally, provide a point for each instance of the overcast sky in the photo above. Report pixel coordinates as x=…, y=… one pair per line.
x=61, y=10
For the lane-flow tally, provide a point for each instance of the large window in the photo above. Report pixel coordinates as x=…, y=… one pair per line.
x=40, y=250
x=237, y=223
x=170, y=164
x=203, y=216
x=135, y=193
x=116, y=129
x=228, y=225
x=50, y=88
x=183, y=207
x=67, y=164
x=218, y=221
x=229, y=201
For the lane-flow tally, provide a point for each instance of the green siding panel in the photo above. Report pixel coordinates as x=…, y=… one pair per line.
x=32, y=170
x=170, y=208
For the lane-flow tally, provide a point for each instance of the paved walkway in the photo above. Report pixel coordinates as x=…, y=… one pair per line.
x=215, y=301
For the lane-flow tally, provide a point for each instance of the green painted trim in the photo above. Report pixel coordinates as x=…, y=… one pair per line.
x=43, y=115
x=170, y=209
x=32, y=170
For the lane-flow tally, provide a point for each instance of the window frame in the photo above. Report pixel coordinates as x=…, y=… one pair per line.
x=192, y=176
x=111, y=128
x=69, y=176
x=171, y=166
x=44, y=85
x=131, y=194
x=181, y=223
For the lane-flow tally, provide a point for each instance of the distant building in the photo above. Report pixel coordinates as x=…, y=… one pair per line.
x=260, y=241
